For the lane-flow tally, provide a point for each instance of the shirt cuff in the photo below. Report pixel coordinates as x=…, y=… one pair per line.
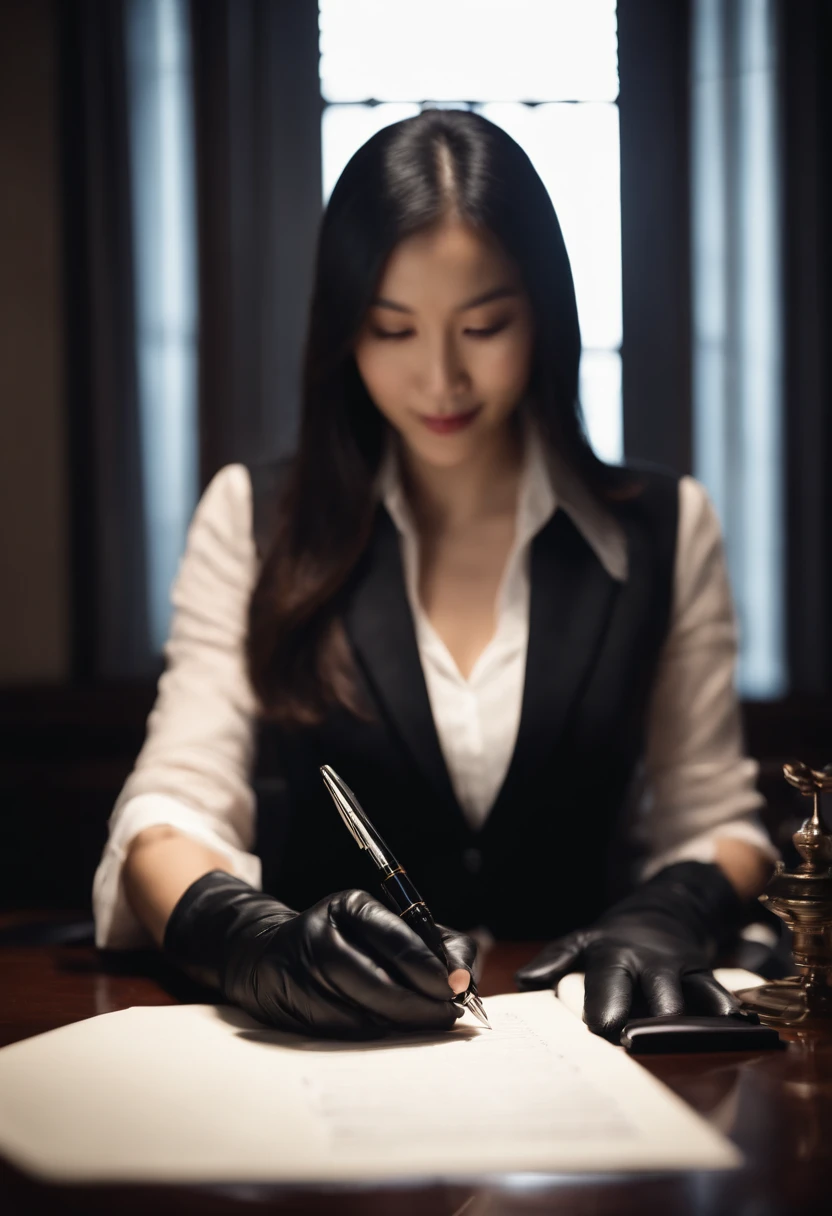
x=703, y=846
x=116, y=925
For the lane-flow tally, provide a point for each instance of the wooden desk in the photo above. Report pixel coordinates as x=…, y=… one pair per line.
x=776, y=1106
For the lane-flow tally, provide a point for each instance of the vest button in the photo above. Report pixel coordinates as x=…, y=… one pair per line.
x=472, y=860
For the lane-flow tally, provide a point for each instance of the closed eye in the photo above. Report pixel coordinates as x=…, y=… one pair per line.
x=471, y=333
x=386, y=333
x=486, y=333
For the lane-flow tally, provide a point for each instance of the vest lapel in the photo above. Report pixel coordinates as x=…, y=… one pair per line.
x=380, y=627
x=572, y=597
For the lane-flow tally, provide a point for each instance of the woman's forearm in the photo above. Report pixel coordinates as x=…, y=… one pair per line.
x=160, y=866
x=745, y=867
x=162, y=863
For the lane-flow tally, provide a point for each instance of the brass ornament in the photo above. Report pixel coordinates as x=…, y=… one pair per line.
x=803, y=899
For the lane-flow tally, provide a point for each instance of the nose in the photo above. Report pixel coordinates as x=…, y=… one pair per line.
x=444, y=375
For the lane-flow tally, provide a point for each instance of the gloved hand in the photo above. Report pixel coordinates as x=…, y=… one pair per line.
x=347, y=967
x=659, y=942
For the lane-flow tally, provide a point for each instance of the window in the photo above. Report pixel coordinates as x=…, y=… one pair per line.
x=544, y=70
x=163, y=220
x=737, y=339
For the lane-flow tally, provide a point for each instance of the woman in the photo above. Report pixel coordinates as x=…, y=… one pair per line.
x=496, y=640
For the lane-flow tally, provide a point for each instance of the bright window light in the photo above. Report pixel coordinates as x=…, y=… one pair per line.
x=738, y=337
x=469, y=50
x=575, y=150
x=385, y=60
x=600, y=389
x=345, y=128
x=164, y=226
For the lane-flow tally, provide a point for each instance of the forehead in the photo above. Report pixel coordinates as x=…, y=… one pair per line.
x=450, y=257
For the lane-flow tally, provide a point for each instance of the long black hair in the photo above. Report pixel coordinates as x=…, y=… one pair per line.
x=406, y=178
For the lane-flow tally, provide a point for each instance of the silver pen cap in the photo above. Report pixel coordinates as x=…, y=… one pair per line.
x=362, y=831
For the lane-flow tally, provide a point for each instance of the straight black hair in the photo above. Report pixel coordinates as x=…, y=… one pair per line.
x=406, y=178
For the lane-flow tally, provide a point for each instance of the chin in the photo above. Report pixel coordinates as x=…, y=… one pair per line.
x=445, y=451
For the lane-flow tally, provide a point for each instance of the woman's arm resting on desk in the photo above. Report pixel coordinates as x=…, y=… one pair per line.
x=701, y=800
x=348, y=966
x=659, y=941
x=192, y=775
x=160, y=866
x=746, y=867
x=708, y=855
x=177, y=861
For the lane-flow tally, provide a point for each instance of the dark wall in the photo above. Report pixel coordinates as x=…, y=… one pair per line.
x=64, y=750
x=806, y=117
x=34, y=602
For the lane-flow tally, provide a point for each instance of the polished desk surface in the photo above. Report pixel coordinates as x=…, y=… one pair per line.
x=777, y=1106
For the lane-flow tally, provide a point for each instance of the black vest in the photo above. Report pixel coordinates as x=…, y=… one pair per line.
x=550, y=855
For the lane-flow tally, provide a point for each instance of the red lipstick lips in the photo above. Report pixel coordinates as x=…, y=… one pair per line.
x=448, y=424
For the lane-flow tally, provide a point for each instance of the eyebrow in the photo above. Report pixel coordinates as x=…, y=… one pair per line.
x=496, y=293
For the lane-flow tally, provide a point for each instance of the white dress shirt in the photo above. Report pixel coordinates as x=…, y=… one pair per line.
x=194, y=769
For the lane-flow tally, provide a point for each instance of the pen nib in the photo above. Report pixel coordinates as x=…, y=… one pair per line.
x=474, y=1003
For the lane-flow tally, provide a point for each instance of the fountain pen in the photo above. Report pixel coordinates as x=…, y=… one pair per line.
x=397, y=888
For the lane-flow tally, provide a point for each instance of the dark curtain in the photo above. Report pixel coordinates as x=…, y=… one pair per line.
x=806, y=115
x=258, y=150
x=653, y=48
x=110, y=635
x=257, y=115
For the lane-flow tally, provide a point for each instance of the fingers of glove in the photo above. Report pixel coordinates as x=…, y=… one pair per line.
x=461, y=952
x=662, y=988
x=370, y=987
x=384, y=937
x=608, y=996
x=704, y=994
x=308, y=1009
x=552, y=964
x=346, y=992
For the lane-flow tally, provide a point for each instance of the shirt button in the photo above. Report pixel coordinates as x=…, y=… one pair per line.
x=472, y=860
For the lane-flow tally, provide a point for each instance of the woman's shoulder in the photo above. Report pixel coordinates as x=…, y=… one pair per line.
x=679, y=509
x=695, y=501
x=219, y=550
x=645, y=498
x=267, y=476
x=700, y=530
x=225, y=504
x=659, y=490
x=238, y=494
x=232, y=481
x=237, y=509
x=674, y=511
x=267, y=479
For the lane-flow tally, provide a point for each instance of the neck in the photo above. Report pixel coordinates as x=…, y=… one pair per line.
x=443, y=499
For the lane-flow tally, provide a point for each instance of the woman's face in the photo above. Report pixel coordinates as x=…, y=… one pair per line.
x=445, y=349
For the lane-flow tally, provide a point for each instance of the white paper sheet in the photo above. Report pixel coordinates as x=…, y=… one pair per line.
x=199, y=1093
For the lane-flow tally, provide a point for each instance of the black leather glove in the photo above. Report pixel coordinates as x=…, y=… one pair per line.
x=347, y=967
x=658, y=943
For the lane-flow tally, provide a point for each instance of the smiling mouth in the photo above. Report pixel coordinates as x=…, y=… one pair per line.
x=447, y=424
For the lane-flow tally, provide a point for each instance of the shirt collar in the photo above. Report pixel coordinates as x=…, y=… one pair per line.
x=546, y=483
